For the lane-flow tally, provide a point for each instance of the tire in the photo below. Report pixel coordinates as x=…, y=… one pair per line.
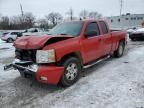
x=120, y=51
x=132, y=39
x=9, y=40
x=21, y=72
x=72, y=70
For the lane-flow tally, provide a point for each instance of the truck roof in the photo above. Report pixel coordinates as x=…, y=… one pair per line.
x=87, y=20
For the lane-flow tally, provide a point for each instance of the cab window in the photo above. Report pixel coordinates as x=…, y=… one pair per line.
x=92, y=29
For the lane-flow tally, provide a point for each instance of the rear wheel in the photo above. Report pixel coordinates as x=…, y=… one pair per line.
x=120, y=51
x=72, y=70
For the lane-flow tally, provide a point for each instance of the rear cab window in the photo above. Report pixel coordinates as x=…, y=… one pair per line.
x=104, y=27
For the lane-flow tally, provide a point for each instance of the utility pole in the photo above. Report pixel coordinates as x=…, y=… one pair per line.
x=70, y=13
x=121, y=6
x=22, y=12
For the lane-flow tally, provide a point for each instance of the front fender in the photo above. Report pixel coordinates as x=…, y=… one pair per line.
x=52, y=73
x=65, y=47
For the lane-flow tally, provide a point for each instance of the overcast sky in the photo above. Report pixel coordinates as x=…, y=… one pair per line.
x=41, y=8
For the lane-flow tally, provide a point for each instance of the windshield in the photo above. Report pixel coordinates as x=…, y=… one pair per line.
x=70, y=28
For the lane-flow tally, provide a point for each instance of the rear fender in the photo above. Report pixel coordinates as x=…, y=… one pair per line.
x=117, y=44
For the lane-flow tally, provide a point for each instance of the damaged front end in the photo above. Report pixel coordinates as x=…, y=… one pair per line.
x=34, y=62
x=43, y=73
x=27, y=69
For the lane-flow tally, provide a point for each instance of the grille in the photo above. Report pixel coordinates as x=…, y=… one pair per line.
x=26, y=55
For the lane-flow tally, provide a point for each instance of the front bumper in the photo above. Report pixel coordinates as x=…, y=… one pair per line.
x=42, y=73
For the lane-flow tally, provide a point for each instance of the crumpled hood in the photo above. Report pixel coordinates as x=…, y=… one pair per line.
x=33, y=42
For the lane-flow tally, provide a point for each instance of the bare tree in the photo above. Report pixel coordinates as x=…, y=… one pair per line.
x=84, y=14
x=70, y=13
x=0, y=21
x=94, y=15
x=43, y=23
x=0, y=16
x=17, y=22
x=142, y=24
x=14, y=23
x=54, y=18
x=29, y=20
x=4, y=22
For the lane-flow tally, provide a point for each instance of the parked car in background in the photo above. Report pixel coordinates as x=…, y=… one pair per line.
x=137, y=34
x=131, y=30
x=33, y=31
x=10, y=36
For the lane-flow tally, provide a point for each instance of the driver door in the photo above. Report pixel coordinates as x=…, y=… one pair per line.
x=91, y=44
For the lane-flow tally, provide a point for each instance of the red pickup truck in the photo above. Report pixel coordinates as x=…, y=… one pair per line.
x=60, y=56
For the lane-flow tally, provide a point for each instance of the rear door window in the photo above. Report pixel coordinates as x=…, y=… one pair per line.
x=103, y=27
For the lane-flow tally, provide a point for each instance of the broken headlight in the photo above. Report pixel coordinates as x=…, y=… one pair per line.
x=45, y=56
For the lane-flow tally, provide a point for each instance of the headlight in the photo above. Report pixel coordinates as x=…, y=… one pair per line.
x=45, y=56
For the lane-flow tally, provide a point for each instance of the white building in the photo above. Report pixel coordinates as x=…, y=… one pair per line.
x=126, y=21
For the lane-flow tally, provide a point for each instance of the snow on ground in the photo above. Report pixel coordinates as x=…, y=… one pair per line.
x=113, y=83
x=6, y=55
x=4, y=45
x=6, y=49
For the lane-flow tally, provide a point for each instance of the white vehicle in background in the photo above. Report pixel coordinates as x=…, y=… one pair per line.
x=10, y=36
x=131, y=30
x=137, y=35
x=33, y=31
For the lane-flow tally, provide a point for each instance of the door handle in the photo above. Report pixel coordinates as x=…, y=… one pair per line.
x=100, y=40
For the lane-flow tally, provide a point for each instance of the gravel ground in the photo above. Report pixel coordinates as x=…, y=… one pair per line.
x=113, y=83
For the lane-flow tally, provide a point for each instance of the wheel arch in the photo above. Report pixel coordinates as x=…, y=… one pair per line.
x=76, y=54
x=121, y=40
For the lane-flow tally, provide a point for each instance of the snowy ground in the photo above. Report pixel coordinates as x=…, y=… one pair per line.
x=113, y=83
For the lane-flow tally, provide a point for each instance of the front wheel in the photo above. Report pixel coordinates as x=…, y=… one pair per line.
x=9, y=40
x=21, y=72
x=120, y=51
x=72, y=70
x=133, y=39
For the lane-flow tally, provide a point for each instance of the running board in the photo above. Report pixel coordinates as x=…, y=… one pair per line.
x=94, y=63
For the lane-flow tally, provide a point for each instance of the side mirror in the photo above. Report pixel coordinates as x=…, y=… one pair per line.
x=91, y=33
